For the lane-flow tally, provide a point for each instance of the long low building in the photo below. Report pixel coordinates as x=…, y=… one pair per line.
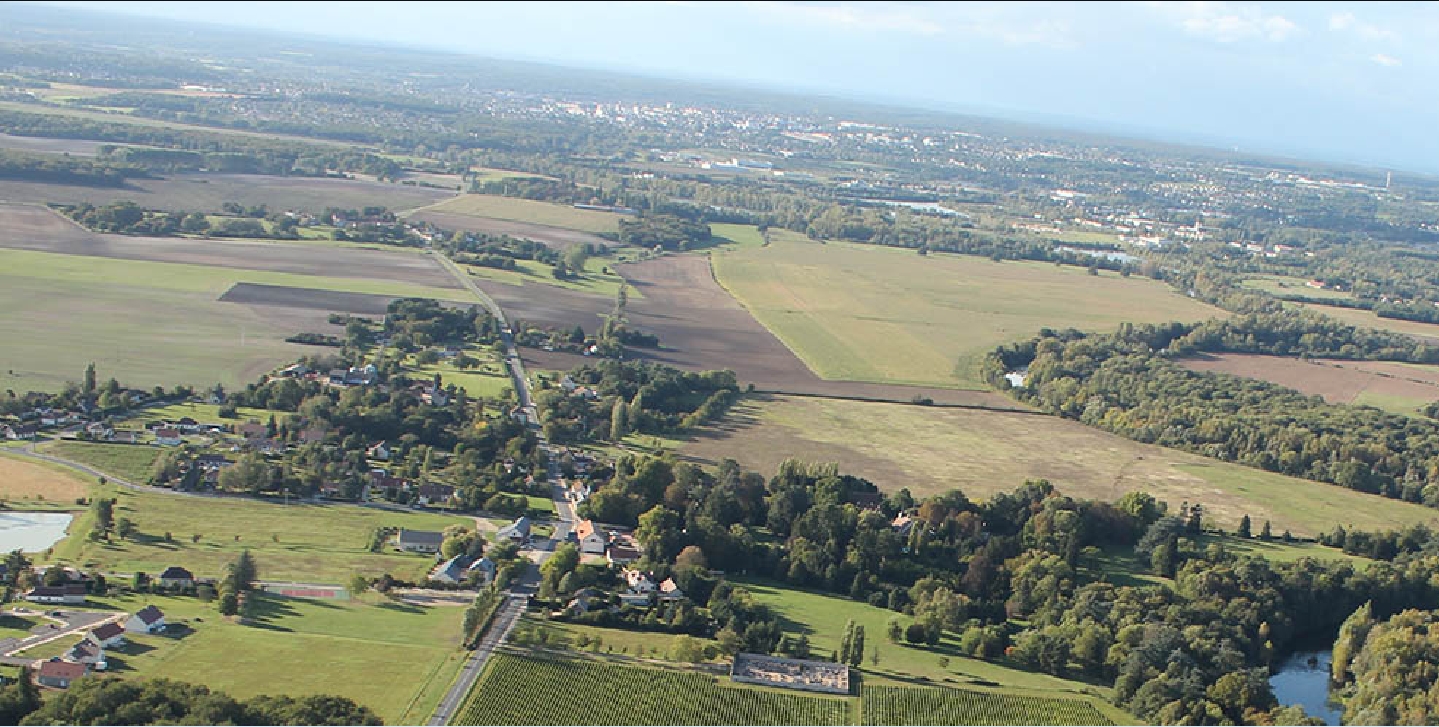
x=775, y=671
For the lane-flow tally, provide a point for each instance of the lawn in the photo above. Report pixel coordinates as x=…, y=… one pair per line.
x=598, y=277
x=489, y=380
x=150, y=323
x=887, y=315
x=738, y=235
x=388, y=657
x=297, y=542
x=1284, y=286
x=526, y=210
x=130, y=462
x=932, y=449
x=822, y=618
x=15, y=627
x=560, y=634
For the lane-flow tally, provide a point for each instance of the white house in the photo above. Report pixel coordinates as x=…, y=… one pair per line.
x=107, y=635
x=148, y=620
x=592, y=539
x=639, y=581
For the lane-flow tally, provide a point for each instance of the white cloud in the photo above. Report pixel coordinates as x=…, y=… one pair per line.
x=1386, y=60
x=1012, y=24
x=1346, y=23
x=1228, y=23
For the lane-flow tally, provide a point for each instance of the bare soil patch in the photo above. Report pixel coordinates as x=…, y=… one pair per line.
x=30, y=227
x=208, y=192
x=702, y=327
x=555, y=237
x=307, y=298
x=1339, y=382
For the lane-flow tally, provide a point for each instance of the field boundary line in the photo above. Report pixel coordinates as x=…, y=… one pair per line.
x=876, y=400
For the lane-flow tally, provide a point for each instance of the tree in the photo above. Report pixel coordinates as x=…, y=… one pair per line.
x=88, y=388
x=619, y=420
x=659, y=534
x=1265, y=533
x=691, y=557
x=104, y=514
x=243, y=572
x=856, y=655
x=358, y=584
x=19, y=698
x=1164, y=560
x=124, y=528
x=1244, y=527
x=894, y=631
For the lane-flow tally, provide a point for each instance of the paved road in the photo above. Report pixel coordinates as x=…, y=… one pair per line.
x=504, y=621
x=70, y=623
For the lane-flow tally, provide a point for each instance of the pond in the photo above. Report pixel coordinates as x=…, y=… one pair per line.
x=32, y=531
x=1302, y=678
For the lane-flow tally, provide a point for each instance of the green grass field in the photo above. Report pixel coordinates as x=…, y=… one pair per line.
x=598, y=277
x=526, y=210
x=560, y=634
x=387, y=656
x=200, y=412
x=1284, y=286
x=130, y=462
x=298, y=542
x=1368, y=319
x=932, y=449
x=520, y=690
x=868, y=313
x=739, y=235
x=150, y=323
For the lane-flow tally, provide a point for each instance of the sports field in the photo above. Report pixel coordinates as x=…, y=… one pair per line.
x=531, y=211
x=933, y=449
x=888, y=315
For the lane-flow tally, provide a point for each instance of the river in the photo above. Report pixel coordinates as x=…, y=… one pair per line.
x=32, y=531
x=1302, y=678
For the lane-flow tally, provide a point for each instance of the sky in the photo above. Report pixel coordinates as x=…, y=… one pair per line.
x=1339, y=81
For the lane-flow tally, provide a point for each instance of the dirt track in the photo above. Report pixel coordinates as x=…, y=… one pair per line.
x=701, y=327
x=556, y=237
x=28, y=227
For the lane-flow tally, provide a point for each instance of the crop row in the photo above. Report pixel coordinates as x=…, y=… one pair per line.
x=919, y=706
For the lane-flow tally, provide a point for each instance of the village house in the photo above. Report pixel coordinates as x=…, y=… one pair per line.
x=107, y=635
x=638, y=581
x=99, y=430
x=252, y=430
x=433, y=494
x=670, y=591
x=486, y=568
x=312, y=436
x=71, y=595
x=516, y=532
x=148, y=620
x=623, y=549
x=592, y=540
x=60, y=674
x=420, y=541
x=176, y=577
x=168, y=437
x=902, y=524
x=451, y=571
x=378, y=451
x=19, y=431
x=86, y=653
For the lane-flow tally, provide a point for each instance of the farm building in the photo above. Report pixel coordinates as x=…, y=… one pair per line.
x=453, y=570
x=59, y=674
x=420, y=541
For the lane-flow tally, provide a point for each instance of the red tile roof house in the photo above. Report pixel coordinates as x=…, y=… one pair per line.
x=59, y=674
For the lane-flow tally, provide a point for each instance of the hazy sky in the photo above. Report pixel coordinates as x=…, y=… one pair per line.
x=1346, y=80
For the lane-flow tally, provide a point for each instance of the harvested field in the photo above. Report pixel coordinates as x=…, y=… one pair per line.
x=701, y=327
x=1368, y=319
x=29, y=227
x=74, y=147
x=307, y=298
x=933, y=449
x=207, y=192
x=531, y=211
x=1401, y=388
x=556, y=237
x=22, y=482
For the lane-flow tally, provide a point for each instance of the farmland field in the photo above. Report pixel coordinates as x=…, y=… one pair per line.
x=73, y=147
x=530, y=211
x=129, y=462
x=1283, y=286
x=1395, y=387
x=300, y=542
x=522, y=690
x=700, y=327
x=598, y=278
x=887, y=315
x=25, y=484
x=910, y=706
x=298, y=647
x=1368, y=319
x=932, y=449
x=207, y=192
x=556, y=237
x=151, y=323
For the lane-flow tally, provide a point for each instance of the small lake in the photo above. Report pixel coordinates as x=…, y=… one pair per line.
x=32, y=531
x=1302, y=678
